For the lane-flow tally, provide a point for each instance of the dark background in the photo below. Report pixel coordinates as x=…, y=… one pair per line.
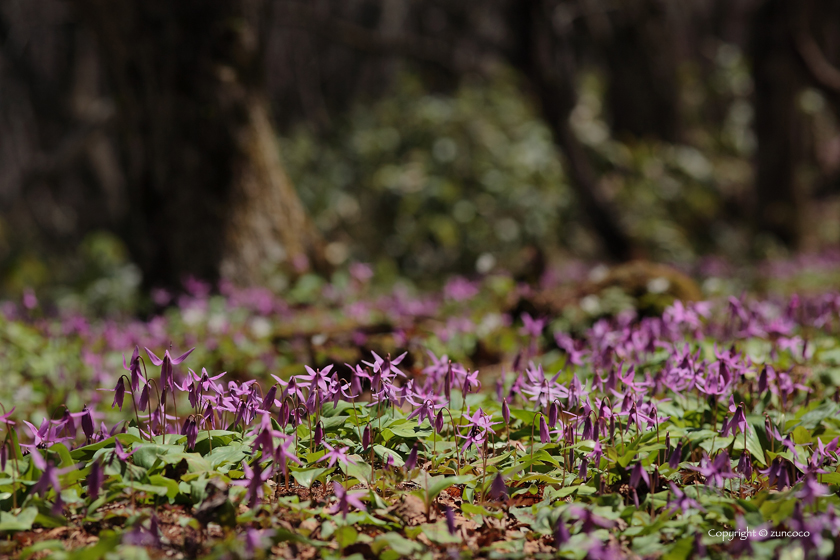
x=146, y=141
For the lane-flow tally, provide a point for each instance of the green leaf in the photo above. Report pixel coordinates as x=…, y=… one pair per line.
x=150, y=488
x=146, y=455
x=231, y=453
x=384, y=453
x=438, y=533
x=54, y=545
x=20, y=522
x=359, y=469
x=87, y=452
x=801, y=435
x=432, y=486
x=812, y=419
x=308, y=477
x=172, y=487
x=64, y=454
x=345, y=536
x=396, y=542
x=471, y=509
x=527, y=416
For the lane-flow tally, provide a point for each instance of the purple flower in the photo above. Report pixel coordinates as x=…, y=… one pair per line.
x=439, y=421
x=715, y=471
x=140, y=536
x=480, y=424
x=498, y=489
x=506, y=412
x=411, y=460
x=166, y=378
x=676, y=456
x=40, y=436
x=119, y=393
x=253, y=481
x=336, y=455
x=450, y=521
x=385, y=368
x=584, y=469
x=544, y=437
x=811, y=490
x=426, y=410
x=143, y=403
x=4, y=418
x=94, y=480
x=48, y=480
x=637, y=474
x=681, y=502
x=282, y=453
x=738, y=420
x=133, y=367
x=345, y=499
x=745, y=466
x=256, y=540
x=561, y=533
x=319, y=434
x=366, y=438
x=532, y=327
x=120, y=453
x=190, y=429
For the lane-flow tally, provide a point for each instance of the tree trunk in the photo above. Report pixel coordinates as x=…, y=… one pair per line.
x=549, y=68
x=776, y=81
x=206, y=187
x=643, y=90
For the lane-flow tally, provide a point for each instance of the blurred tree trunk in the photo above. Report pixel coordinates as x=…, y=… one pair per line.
x=207, y=191
x=776, y=82
x=639, y=47
x=545, y=58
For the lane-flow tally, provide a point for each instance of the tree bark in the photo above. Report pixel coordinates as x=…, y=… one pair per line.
x=549, y=69
x=207, y=192
x=776, y=82
x=643, y=90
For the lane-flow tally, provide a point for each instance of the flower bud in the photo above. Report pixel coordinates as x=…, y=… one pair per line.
x=366, y=438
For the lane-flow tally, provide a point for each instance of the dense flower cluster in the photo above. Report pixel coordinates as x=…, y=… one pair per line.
x=703, y=403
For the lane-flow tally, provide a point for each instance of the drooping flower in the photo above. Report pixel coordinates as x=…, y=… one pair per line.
x=715, y=471
x=166, y=363
x=133, y=368
x=120, y=453
x=676, y=456
x=637, y=474
x=282, y=454
x=94, y=480
x=811, y=490
x=344, y=500
x=544, y=436
x=498, y=489
x=141, y=536
x=254, y=480
x=411, y=460
x=450, y=521
x=119, y=393
x=561, y=533
x=681, y=502
x=256, y=540
x=190, y=429
x=336, y=455
x=426, y=409
x=48, y=480
x=366, y=438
